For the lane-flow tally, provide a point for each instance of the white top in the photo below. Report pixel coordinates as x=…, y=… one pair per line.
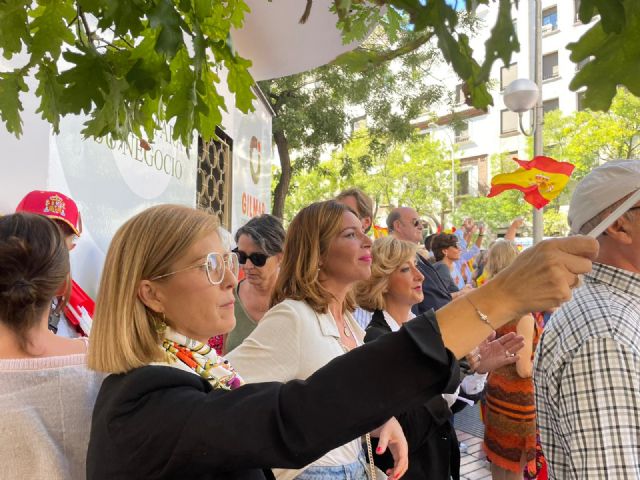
x=46, y=406
x=292, y=342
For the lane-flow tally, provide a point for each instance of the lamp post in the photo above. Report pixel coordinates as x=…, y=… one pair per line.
x=522, y=95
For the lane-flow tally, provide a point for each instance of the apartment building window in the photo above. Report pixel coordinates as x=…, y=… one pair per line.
x=358, y=123
x=463, y=183
x=508, y=121
x=549, y=20
x=468, y=178
x=460, y=97
x=550, y=105
x=461, y=131
x=582, y=63
x=508, y=75
x=580, y=101
x=550, y=67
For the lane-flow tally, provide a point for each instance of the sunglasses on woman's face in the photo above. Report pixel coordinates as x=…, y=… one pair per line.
x=257, y=259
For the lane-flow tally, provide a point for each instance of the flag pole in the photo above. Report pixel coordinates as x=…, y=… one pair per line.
x=538, y=220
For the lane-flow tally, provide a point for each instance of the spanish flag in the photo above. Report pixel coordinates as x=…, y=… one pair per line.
x=541, y=180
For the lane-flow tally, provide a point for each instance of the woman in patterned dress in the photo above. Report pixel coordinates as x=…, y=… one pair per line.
x=509, y=414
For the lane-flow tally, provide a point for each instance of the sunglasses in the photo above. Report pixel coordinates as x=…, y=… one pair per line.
x=257, y=259
x=215, y=266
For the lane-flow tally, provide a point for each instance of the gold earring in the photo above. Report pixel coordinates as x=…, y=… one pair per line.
x=161, y=326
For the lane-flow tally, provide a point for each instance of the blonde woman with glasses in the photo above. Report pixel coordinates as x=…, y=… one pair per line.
x=172, y=409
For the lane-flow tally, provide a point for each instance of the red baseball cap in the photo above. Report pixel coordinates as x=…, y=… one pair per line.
x=54, y=205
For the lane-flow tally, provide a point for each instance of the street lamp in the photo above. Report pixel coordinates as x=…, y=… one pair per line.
x=522, y=95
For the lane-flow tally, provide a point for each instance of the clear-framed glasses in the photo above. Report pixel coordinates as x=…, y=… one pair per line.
x=215, y=267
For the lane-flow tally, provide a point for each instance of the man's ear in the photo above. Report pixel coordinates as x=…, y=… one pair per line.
x=620, y=231
x=149, y=295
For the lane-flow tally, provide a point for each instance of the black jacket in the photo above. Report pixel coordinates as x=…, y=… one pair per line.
x=163, y=423
x=433, y=445
x=436, y=293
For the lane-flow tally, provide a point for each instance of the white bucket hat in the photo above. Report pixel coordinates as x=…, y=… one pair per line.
x=601, y=188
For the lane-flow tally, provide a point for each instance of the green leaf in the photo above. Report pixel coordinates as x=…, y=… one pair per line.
x=110, y=117
x=11, y=85
x=616, y=60
x=612, y=13
x=182, y=100
x=166, y=18
x=207, y=107
x=85, y=82
x=240, y=82
x=49, y=28
x=50, y=91
x=14, y=31
x=123, y=16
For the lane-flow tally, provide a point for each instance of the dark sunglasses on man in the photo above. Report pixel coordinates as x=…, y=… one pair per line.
x=257, y=259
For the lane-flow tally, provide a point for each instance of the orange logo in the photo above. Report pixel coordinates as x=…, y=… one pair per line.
x=56, y=205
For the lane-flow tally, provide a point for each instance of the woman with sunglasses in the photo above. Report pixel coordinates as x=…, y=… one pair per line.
x=172, y=409
x=446, y=252
x=259, y=252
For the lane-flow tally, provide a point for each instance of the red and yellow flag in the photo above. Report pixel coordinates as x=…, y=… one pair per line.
x=541, y=180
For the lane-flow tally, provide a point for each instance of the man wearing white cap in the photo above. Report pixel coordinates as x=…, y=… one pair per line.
x=587, y=366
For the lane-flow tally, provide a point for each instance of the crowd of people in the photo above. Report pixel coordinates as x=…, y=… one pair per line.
x=341, y=357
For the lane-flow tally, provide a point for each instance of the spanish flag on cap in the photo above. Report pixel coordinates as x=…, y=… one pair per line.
x=541, y=180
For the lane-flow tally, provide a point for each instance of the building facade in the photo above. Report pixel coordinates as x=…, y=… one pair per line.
x=483, y=142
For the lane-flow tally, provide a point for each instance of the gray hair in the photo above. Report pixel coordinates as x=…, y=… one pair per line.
x=392, y=218
x=266, y=232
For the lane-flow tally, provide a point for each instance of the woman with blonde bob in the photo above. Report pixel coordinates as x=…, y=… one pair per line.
x=172, y=409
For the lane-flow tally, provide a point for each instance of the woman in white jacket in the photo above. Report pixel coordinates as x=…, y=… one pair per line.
x=310, y=323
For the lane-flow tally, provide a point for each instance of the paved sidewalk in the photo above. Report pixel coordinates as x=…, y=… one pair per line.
x=473, y=464
x=470, y=430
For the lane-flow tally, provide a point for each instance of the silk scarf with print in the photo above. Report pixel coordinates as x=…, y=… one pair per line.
x=202, y=359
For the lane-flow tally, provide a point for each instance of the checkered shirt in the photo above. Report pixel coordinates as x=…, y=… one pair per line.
x=587, y=380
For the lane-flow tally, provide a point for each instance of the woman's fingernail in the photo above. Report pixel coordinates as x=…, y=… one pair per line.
x=379, y=450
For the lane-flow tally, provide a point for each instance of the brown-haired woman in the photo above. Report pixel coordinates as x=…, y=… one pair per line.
x=172, y=409
x=310, y=323
x=46, y=391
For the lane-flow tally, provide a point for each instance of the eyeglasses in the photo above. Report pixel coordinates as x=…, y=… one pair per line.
x=257, y=259
x=215, y=266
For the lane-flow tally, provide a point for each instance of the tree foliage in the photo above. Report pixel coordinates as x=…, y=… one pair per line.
x=589, y=138
x=129, y=65
x=315, y=110
x=414, y=173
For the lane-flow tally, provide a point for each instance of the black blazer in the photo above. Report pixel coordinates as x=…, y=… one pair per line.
x=433, y=445
x=163, y=423
x=436, y=293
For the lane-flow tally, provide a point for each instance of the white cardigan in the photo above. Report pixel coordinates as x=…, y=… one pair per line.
x=292, y=341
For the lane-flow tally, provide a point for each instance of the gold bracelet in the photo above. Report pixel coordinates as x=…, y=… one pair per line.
x=483, y=316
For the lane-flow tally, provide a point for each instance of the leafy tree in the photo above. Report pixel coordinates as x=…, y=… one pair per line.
x=130, y=65
x=414, y=173
x=589, y=138
x=312, y=109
